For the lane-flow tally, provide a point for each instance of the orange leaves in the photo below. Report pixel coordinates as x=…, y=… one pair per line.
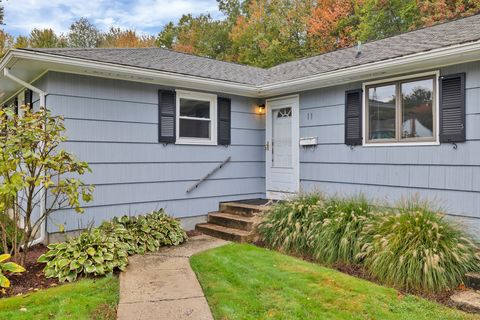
x=326, y=27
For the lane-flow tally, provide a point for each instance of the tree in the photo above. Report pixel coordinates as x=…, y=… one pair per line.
x=383, y=18
x=118, y=38
x=441, y=10
x=6, y=42
x=46, y=38
x=31, y=164
x=2, y=12
x=270, y=32
x=331, y=25
x=200, y=35
x=83, y=34
x=21, y=42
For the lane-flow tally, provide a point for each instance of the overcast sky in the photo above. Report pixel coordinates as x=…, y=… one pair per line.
x=145, y=16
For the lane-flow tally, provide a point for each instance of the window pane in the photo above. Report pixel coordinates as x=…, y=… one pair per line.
x=381, y=112
x=194, y=108
x=194, y=128
x=417, y=113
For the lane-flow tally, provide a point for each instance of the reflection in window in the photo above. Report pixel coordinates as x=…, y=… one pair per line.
x=417, y=113
x=381, y=104
x=195, y=119
x=401, y=111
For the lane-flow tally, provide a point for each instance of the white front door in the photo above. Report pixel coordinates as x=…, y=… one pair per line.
x=282, y=147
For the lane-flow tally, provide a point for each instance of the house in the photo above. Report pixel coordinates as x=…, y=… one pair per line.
x=388, y=118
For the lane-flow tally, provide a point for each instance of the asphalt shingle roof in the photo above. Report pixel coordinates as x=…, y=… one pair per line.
x=425, y=39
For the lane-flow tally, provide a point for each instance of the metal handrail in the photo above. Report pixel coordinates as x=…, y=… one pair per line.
x=208, y=175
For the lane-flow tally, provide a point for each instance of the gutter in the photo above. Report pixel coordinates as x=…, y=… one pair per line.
x=42, y=94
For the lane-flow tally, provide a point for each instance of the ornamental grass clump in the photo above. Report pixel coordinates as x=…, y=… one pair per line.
x=290, y=226
x=338, y=237
x=417, y=250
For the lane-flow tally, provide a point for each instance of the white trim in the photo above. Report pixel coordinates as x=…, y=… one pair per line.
x=212, y=99
x=414, y=76
x=292, y=101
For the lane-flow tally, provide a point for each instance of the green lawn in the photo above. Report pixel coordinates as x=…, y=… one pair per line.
x=246, y=282
x=84, y=299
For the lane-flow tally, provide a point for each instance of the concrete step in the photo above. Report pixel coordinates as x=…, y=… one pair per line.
x=467, y=300
x=225, y=233
x=472, y=280
x=242, y=209
x=233, y=221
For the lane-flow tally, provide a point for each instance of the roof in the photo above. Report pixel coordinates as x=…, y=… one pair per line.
x=426, y=39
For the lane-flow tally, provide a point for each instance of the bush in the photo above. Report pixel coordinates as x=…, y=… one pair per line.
x=101, y=250
x=416, y=249
x=338, y=237
x=7, y=268
x=146, y=233
x=91, y=253
x=290, y=226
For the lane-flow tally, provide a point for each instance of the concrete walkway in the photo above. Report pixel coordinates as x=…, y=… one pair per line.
x=162, y=285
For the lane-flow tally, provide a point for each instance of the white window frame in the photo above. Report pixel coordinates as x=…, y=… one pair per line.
x=436, y=111
x=212, y=99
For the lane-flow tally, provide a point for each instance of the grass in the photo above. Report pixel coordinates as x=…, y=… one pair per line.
x=84, y=299
x=246, y=282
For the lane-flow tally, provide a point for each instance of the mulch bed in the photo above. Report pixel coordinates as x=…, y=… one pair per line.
x=33, y=279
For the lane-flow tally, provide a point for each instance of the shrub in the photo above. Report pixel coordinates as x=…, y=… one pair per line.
x=102, y=250
x=146, y=233
x=337, y=238
x=416, y=249
x=92, y=253
x=7, y=268
x=291, y=225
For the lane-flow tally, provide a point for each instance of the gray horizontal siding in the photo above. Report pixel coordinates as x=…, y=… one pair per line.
x=447, y=176
x=113, y=125
x=184, y=207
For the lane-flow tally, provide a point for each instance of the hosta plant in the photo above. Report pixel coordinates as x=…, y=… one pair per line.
x=92, y=253
x=7, y=268
x=416, y=249
x=291, y=226
x=337, y=238
x=146, y=233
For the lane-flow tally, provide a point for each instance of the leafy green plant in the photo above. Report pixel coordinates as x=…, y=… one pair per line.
x=33, y=163
x=416, y=249
x=146, y=233
x=7, y=268
x=92, y=253
x=338, y=237
x=290, y=226
x=102, y=250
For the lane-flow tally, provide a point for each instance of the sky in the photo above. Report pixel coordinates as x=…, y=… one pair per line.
x=145, y=16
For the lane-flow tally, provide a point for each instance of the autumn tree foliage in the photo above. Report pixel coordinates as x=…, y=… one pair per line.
x=331, y=24
x=263, y=33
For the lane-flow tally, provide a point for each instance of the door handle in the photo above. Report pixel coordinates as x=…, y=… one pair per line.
x=267, y=145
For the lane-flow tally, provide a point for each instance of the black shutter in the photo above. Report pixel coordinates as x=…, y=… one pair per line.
x=224, y=121
x=29, y=99
x=452, y=108
x=353, y=117
x=166, y=116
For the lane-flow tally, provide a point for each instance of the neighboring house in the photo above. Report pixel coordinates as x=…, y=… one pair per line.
x=389, y=118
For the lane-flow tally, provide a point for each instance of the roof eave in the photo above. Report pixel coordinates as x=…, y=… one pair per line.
x=131, y=73
x=426, y=60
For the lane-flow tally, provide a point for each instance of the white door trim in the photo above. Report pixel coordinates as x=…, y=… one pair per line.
x=294, y=102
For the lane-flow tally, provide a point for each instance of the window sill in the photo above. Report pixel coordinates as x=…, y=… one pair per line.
x=401, y=144
x=196, y=142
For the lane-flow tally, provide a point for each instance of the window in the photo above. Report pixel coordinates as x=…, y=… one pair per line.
x=196, y=118
x=401, y=111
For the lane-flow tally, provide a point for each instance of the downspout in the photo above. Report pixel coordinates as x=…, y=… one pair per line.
x=43, y=97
